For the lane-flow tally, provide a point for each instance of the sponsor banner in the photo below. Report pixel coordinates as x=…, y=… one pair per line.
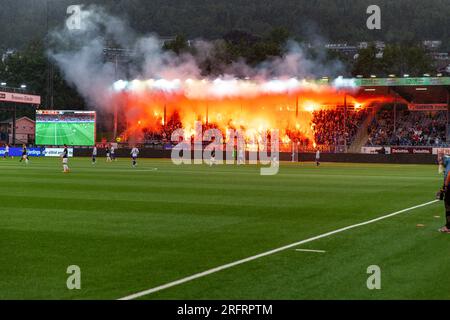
x=411, y=150
x=376, y=150
x=20, y=98
x=56, y=152
x=168, y=146
x=427, y=107
x=440, y=151
x=17, y=152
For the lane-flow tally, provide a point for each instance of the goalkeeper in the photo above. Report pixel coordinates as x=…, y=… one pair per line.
x=445, y=194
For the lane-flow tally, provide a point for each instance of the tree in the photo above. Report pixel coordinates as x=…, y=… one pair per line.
x=278, y=36
x=335, y=20
x=367, y=62
x=29, y=66
x=255, y=49
x=397, y=59
x=177, y=45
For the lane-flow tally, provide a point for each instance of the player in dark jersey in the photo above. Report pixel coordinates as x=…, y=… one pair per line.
x=212, y=161
x=24, y=154
x=65, y=159
x=94, y=155
x=108, y=154
x=113, y=153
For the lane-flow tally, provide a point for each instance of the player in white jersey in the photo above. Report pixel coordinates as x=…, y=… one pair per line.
x=94, y=155
x=134, y=154
x=113, y=153
x=317, y=157
x=6, y=154
x=212, y=160
x=241, y=156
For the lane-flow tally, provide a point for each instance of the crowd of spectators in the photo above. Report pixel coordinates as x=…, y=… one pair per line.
x=151, y=136
x=330, y=128
x=412, y=128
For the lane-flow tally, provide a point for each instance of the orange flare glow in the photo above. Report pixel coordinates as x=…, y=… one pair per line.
x=289, y=111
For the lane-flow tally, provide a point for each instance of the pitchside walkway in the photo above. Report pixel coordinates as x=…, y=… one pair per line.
x=362, y=136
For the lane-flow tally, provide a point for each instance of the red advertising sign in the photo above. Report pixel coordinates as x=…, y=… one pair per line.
x=411, y=150
x=19, y=98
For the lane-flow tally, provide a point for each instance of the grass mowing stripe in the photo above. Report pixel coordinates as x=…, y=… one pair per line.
x=268, y=253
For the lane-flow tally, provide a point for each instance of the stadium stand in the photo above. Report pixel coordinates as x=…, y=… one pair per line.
x=412, y=128
x=374, y=126
x=328, y=126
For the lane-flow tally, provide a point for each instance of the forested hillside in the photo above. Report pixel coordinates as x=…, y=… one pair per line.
x=333, y=20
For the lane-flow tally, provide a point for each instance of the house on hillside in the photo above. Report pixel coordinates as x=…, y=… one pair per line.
x=25, y=131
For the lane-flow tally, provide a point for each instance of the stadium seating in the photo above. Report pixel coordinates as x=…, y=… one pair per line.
x=411, y=129
x=328, y=126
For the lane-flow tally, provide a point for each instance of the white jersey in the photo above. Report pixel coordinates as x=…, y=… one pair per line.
x=318, y=155
x=94, y=151
x=7, y=149
x=112, y=150
x=134, y=152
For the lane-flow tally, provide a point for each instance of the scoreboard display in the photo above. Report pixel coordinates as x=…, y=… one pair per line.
x=59, y=127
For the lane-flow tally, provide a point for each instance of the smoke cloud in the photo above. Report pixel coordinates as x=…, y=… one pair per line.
x=81, y=58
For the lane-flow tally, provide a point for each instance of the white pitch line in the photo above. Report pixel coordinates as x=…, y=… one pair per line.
x=265, y=254
x=309, y=250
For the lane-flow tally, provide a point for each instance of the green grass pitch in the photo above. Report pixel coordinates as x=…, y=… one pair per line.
x=134, y=229
x=70, y=133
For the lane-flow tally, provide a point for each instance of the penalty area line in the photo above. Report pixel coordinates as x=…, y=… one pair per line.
x=267, y=253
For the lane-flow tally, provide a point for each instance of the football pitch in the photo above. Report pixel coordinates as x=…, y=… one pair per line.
x=70, y=133
x=133, y=230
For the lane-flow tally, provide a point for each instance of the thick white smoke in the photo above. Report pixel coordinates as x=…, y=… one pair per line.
x=81, y=58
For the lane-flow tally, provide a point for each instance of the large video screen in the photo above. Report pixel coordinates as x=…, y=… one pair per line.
x=58, y=127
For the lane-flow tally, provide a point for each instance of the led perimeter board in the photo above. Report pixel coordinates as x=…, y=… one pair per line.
x=59, y=127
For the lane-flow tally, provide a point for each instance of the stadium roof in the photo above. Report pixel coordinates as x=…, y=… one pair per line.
x=426, y=90
x=389, y=82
